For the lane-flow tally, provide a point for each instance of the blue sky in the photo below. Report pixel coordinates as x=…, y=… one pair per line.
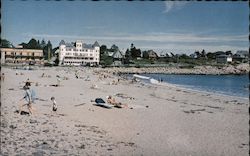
x=179, y=27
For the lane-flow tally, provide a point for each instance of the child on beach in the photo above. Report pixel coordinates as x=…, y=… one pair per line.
x=58, y=80
x=54, y=107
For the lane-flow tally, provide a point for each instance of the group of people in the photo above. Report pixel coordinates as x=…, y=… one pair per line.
x=29, y=97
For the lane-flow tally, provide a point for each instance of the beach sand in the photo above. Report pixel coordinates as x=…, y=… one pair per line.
x=161, y=119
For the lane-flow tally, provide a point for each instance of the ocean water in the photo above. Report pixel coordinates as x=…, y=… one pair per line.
x=232, y=85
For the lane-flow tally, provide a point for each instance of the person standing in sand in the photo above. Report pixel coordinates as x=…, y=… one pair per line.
x=28, y=97
x=58, y=81
x=54, y=107
x=2, y=77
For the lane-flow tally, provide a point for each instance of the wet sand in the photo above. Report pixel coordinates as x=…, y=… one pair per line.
x=161, y=119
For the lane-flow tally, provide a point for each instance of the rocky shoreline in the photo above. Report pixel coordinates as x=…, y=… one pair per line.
x=199, y=70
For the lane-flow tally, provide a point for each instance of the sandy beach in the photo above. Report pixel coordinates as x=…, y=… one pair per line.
x=160, y=119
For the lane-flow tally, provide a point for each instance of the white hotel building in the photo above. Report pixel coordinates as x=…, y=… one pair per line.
x=79, y=53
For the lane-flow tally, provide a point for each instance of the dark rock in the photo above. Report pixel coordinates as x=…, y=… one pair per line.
x=82, y=146
x=131, y=144
x=46, y=131
x=33, y=121
x=44, y=143
x=13, y=127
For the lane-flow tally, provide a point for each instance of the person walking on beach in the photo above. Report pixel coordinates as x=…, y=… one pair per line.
x=29, y=97
x=58, y=81
x=54, y=107
x=2, y=77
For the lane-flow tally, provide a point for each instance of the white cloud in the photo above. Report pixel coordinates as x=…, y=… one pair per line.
x=181, y=41
x=155, y=37
x=179, y=48
x=170, y=5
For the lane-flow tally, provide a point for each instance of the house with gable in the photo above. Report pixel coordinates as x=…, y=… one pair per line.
x=118, y=58
x=152, y=55
x=241, y=56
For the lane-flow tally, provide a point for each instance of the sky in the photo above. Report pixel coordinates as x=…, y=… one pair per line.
x=164, y=26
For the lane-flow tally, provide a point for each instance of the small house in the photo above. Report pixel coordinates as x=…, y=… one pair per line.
x=224, y=59
x=241, y=55
x=117, y=58
x=152, y=55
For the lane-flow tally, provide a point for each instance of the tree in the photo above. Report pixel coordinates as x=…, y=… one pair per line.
x=138, y=52
x=47, y=50
x=24, y=45
x=145, y=54
x=103, y=49
x=198, y=54
x=106, y=60
x=114, y=48
x=127, y=56
x=43, y=44
x=54, y=50
x=135, y=52
x=5, y=44
x=203, y=53
x=38, y=42
x=184, y=56
x=131, y=46
x=211, y=55
x=33, y=44
x=56, y=55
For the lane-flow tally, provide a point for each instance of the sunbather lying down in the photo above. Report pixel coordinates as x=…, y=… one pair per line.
x=102, y=103
x=112, y=101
